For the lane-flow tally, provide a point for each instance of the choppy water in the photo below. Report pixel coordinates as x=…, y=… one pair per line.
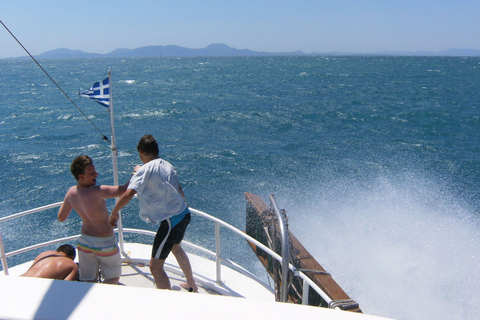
x=375, y=159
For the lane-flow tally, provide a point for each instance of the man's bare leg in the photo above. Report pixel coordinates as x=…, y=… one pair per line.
x=184, y=264
x=159, y=274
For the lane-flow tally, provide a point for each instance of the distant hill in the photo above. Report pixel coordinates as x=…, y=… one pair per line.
x=443, y=53
x=177, y=51
x=67, y=53
x=215, y=50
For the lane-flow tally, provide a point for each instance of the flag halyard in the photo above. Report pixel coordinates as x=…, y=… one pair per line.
x=100, y=92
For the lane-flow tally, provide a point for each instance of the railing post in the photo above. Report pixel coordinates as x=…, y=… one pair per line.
x=3, y=256
x=120, y=232
x=305, y=292
x=218, y=252
x=285, y=251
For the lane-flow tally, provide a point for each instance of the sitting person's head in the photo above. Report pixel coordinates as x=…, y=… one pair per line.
x=68, y=250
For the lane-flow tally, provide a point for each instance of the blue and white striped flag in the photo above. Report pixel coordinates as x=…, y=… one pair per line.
x=100, y=92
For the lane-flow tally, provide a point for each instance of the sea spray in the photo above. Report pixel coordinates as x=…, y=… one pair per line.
x=401, y=246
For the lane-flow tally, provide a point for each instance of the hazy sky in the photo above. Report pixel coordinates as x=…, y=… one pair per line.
x=360, y=26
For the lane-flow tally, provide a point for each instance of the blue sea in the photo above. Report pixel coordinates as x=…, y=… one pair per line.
x=375, y=159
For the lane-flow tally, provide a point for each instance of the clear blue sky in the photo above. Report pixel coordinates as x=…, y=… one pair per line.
x=360, y=26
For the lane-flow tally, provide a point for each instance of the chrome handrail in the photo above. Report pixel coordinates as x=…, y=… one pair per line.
x=285, y=251
x=216, y=255
x=307, y=281
x=26, y=213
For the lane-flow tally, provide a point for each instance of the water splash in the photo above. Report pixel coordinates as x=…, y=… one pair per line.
x=400, y=246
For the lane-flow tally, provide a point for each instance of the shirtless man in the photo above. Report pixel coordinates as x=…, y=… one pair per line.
x=97, y=245
x=55, y=264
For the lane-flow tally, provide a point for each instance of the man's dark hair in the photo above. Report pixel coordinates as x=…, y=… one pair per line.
x=79, y=164
x=148, y=145
x=68, y=250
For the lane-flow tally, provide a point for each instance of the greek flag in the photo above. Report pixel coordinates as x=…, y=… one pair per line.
x=100, y=92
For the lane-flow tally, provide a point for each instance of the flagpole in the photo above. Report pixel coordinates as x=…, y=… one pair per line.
x=114, y=156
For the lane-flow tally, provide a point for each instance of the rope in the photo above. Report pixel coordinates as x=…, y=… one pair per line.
x=103, y=136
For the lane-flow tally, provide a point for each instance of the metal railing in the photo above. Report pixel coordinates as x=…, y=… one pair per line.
x=285, y=250
x=217, y=256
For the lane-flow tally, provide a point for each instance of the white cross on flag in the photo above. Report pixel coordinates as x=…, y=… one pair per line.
x=100, y=92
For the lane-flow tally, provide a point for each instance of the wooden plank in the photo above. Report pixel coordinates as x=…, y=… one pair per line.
x=257, y=212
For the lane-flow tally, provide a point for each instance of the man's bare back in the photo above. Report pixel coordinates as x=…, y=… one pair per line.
x=88, y=201
x=53, y=265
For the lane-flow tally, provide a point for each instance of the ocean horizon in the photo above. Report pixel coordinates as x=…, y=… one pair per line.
x=223, y=50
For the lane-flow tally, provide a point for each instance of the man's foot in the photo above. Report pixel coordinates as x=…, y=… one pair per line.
x=189, y=288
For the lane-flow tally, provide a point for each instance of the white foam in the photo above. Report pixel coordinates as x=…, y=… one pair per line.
x=401, y=248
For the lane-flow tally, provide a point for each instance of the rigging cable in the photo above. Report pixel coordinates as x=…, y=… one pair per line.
x=103, y=136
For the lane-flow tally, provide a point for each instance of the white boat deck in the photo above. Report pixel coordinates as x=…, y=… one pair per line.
x=137, y=297
x=33, y=298
x=136, y=273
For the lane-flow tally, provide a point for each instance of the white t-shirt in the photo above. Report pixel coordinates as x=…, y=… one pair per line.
x=156, y=184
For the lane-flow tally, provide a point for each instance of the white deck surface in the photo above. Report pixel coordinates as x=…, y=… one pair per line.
x=32, y=298
x=136, y=273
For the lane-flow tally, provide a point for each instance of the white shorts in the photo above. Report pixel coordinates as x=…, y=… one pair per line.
x=96, y=253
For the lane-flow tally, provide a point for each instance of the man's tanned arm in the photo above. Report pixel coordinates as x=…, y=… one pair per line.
x=122, y=202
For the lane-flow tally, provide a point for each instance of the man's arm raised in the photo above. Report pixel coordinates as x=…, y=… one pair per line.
x=113, y=191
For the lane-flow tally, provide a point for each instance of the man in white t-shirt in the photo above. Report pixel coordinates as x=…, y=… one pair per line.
x=161, y=201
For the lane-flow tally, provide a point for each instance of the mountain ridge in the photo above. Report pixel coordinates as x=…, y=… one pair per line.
x=220, y=49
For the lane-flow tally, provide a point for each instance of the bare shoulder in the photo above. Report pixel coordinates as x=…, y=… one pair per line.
x=71, y=191
x=46, y=254
x=94, y=190
x=70, y=196
x=103, y=190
